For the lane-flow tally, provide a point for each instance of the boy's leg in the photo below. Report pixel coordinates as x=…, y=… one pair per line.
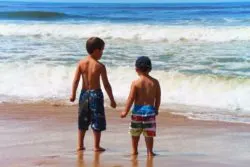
x=97, y=138
x=83, y=118
x=98, y=120
x=135, y=141
x=150, y=143
x=81, y=134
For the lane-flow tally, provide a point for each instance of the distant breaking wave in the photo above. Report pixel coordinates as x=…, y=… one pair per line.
x=33, y=15
x=46, y=16
x=138, y=32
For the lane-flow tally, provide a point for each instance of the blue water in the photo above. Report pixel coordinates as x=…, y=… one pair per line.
x=200, y=52
x=170, y=14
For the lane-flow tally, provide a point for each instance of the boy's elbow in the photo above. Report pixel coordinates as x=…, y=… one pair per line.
x=131, y=99
x=157, y=103
x=107, y=86
x=76, y=81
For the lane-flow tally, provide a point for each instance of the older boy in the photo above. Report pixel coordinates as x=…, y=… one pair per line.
x=91, y=107
x=145, y=93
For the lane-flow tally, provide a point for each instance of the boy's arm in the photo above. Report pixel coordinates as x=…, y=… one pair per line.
x=130, y=100
x=75, y=83
x=157, y=97
x=107, y=87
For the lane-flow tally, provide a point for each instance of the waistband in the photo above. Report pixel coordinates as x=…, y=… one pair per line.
x=143, y=107
x=91, y=90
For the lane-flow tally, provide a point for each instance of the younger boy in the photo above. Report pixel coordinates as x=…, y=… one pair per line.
x=91, y=107
x=145, y=93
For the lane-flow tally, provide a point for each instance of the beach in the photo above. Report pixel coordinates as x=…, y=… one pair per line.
x=200, y=55
x=45, y=135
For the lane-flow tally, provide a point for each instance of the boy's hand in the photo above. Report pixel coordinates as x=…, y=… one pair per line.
x=72, y=98
x=123, y=114
x=113, y=104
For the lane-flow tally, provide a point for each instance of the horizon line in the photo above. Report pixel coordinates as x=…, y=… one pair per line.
x=89, y=2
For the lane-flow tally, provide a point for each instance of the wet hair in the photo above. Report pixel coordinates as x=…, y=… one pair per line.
x=94, y=43
x=143, y=64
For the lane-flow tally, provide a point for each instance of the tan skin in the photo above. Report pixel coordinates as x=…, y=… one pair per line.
x=144, y=91
x=91, y=70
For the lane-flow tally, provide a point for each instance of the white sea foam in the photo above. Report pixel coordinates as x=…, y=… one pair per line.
x=41, y=82
x=128, y=32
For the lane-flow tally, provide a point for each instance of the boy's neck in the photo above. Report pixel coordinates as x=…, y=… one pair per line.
x=93, y=57
x=144, y=74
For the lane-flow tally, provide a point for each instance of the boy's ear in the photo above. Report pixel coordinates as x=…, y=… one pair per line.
x=98, y=50
x=94, y=51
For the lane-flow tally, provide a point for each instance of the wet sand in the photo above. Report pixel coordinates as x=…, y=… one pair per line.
x=45, y=135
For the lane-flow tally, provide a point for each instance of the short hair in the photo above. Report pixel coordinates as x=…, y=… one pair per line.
x=143, y=63
x=94, y=43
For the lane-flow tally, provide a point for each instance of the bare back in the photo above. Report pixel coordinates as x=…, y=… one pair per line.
x=146, y=89
x=91, y=70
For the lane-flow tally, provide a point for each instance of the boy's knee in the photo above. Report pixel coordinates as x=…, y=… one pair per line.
x=149, y=134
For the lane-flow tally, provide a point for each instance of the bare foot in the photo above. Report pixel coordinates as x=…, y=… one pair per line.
x=151, y=154
x=80, y=149
x=99, y=149
x=134, y=153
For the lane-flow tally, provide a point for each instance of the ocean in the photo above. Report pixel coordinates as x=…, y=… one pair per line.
x=200, y=52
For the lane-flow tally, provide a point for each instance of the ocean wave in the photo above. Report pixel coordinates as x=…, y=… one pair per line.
x=135, y=32
x=33, y=15
x=39, y=82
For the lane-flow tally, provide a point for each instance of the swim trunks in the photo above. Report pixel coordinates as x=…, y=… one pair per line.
x=91, y=110
x=143, y=121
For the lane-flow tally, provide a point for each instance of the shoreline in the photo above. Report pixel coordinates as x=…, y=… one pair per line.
x=45, y=135
x=164, y=110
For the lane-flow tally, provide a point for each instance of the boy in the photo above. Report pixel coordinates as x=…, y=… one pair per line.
x=91, y=107
x=145, y=93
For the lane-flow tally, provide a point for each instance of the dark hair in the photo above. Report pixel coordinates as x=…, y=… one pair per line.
x=94, y=43
x=143, y=63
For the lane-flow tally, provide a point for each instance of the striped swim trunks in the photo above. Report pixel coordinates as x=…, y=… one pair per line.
x=143, y=121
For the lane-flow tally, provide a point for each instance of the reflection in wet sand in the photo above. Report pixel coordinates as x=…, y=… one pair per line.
x=135, y=161
x=82, y=163
x=80, y=159
x=150, y=161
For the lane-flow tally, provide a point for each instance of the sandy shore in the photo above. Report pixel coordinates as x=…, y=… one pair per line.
x=45, y=135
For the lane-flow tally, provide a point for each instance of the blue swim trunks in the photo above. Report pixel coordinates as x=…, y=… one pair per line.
x=91, y=110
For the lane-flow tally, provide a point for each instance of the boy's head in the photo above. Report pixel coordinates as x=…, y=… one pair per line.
x=95, y=46
x=143, y=64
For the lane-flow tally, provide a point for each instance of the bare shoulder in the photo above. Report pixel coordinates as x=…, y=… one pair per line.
x=83, y=61
x=82, y=65
x=136, y=82
x=101, y=66
x=155, y=81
